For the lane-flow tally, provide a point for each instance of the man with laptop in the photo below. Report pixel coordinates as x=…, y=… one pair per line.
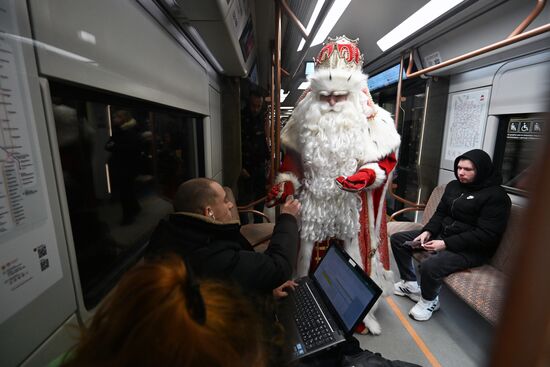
x=325, y=308
x=321, y=312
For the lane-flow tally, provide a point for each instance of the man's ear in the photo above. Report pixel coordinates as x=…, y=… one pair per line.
x=208, y=212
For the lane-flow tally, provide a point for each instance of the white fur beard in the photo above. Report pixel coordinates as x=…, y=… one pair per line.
x=323, y=217
x=332, y=145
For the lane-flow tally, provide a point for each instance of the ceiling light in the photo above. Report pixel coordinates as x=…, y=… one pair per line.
x=335, y=12
x=429, y=12
x=312, y=20
x=338, y=8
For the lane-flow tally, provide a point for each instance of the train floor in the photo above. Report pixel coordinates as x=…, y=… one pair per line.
x=455, y=335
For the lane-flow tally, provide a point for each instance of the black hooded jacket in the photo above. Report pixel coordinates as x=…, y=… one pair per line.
x=218, y=250
x=471, y=218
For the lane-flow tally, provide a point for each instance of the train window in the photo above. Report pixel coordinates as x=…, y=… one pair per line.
x=518, y=142
x=409, y=126
x=122, y=161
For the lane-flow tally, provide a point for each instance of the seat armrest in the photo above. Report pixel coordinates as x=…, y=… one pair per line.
x=255, y=212
x=419, y=207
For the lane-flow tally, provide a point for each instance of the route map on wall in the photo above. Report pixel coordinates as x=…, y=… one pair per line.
x=466, y=125
x=29, y=256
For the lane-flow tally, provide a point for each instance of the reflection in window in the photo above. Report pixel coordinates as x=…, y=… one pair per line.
x=122, y=161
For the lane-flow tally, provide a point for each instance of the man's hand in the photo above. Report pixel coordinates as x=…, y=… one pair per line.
x=358, y=181
x=291, y=206
x=279, y=193
x=280, y=291
x=423, y=237
x=435, y=245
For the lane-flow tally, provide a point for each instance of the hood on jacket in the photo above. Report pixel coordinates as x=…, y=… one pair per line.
x=486, y=174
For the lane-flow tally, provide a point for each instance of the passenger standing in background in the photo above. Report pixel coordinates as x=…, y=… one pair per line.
x=463, y=233
x=159, y=315
x=203, y=230
x=252, y=180
x=125, y=148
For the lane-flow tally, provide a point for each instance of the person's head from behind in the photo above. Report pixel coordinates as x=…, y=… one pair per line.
x=255, y=103
x=120, y=117
x=205, y=197
x=158, y=316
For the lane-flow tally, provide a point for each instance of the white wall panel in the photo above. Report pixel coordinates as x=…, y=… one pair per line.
x=116, y=46
x=522, y=86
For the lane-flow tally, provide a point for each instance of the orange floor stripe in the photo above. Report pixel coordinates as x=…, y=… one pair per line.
x=421, y=345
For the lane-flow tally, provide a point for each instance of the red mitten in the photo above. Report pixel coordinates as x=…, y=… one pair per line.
x=279, y=193
x=358, y=181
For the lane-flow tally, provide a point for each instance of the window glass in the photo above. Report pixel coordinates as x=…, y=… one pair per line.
x=122, y=161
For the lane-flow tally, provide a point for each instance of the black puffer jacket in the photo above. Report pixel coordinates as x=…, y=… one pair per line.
x=218, y=250
x=472, y=217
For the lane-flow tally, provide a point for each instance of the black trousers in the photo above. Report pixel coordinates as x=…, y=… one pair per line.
x=433, y=269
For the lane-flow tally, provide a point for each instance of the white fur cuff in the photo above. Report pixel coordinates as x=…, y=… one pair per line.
x=288, y=176
x=380, y=175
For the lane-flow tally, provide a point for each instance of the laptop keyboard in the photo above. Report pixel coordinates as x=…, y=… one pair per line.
x=312, y=325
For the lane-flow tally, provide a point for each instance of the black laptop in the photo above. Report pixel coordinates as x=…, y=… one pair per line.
x=327, y=306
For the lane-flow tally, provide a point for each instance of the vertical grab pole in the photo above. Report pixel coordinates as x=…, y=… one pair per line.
x=398, y=98
x=272, y=159
x=396, y=116
x=277, y=90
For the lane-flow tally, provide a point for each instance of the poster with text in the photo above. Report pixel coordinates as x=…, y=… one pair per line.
x=467, y=120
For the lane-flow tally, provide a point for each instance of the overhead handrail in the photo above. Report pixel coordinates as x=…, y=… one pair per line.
x=514, y=37
x=307, y=36
x=294, y=18
x=534, y=13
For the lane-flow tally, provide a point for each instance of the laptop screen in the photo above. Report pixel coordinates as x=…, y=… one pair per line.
x=346, y=286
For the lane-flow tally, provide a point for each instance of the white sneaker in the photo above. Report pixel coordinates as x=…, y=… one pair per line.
x=423, y=309
x=409, y=289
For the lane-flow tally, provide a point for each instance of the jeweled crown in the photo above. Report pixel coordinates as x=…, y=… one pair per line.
x=340, y=53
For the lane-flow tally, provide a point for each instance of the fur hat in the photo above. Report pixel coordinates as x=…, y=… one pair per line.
x=338, y=67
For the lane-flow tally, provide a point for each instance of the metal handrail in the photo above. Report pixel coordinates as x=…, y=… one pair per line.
x=420, y=207
x=514, y=37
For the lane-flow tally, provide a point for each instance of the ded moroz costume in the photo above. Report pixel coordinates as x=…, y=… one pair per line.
x=338, y=158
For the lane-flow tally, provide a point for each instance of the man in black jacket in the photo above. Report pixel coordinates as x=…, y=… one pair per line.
x=202, y=230
x=464, y=232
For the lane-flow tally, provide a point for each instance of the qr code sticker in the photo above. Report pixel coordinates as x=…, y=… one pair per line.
x=44, y=264
x=42, y=251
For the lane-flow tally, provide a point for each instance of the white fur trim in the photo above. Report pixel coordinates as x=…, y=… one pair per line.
x=288, y=176
x=336, y=80
x=382, y=277
x=383, y=132
x=381, y=203
x=291, y=132
x=351, y=245
x=380, y=177
x=304, y=258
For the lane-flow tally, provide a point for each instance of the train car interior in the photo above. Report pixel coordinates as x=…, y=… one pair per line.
x=170, y=79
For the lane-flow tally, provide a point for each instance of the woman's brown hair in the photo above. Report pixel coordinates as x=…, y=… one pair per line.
x=152, y=320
